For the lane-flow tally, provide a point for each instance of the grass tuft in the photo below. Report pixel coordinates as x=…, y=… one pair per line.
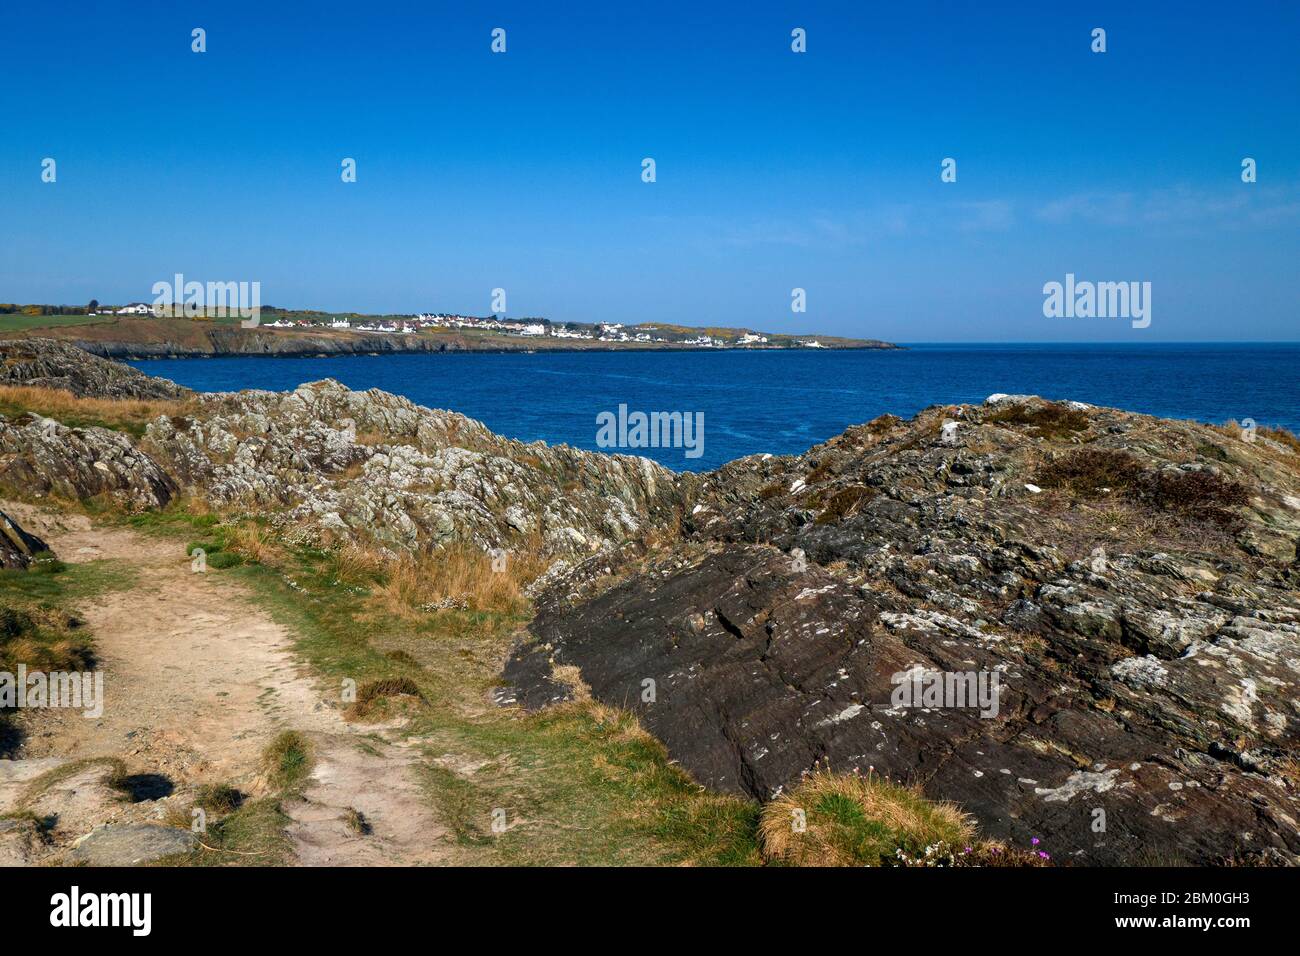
x=287, y=761
x=371, y=692
x=218, y=798
x=850, y=820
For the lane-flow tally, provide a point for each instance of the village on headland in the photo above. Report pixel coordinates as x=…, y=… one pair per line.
x=140, y=322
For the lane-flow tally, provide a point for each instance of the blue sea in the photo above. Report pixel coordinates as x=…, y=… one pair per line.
x=783, y=402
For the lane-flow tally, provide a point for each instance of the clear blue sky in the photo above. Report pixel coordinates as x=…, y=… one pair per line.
x=775, y=169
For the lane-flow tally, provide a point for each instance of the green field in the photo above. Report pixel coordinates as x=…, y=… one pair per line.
x=17, y=322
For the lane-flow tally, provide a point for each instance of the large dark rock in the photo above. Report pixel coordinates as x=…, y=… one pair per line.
x=1147, y=646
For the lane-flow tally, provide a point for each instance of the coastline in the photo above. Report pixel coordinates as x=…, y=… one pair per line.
x=144, y=339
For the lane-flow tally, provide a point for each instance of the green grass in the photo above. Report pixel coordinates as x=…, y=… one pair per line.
x=579, y=784
x=66, y=586
x=254, y=835
x=287, y=761
x=218, y=798
x=848, y=820
x=17, y=322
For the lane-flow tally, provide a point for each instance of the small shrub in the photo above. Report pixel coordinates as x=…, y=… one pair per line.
x=1052, y=420
x=1200, y=495
x=14, y=623
x=1090, y=470
x=844, y=502
x=823, y=470
x=1209, y=450
x=224, y=559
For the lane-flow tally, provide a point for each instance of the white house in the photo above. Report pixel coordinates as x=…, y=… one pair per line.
x=340, y=324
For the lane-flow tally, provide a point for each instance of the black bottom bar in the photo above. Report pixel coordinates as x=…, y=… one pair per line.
x=338, y=906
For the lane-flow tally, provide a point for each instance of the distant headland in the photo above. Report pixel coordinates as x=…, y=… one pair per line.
x=132, y=331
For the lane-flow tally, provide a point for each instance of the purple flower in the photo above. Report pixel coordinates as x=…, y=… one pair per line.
x=1034, y=841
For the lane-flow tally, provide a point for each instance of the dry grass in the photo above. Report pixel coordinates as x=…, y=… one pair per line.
x=356, y=821
x=844, y=503
x=43, y=638
x=218, y=798
x=254, y=543
x=459, y=576
x=354, y=566
x=1280, y=435
x=571, y=676
x=373, y=692
x=852, y=820
x=122, y=414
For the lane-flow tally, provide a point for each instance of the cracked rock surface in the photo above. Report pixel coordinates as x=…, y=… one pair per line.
x=1144, y=626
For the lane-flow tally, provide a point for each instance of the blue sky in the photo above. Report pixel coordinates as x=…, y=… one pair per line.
x=775, y=170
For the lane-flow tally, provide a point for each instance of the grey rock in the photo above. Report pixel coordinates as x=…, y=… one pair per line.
x=48, y=363
x=130, y=844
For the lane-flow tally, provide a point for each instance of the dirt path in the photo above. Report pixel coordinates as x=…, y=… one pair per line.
x=198, y=680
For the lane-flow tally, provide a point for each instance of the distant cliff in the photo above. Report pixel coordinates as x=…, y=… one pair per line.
x=146, y=338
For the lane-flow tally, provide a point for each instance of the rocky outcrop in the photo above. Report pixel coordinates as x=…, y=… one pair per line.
x=47, y=363
x=374, y=465
x=40, y=457
x=334, y=464
x=1132, y=583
